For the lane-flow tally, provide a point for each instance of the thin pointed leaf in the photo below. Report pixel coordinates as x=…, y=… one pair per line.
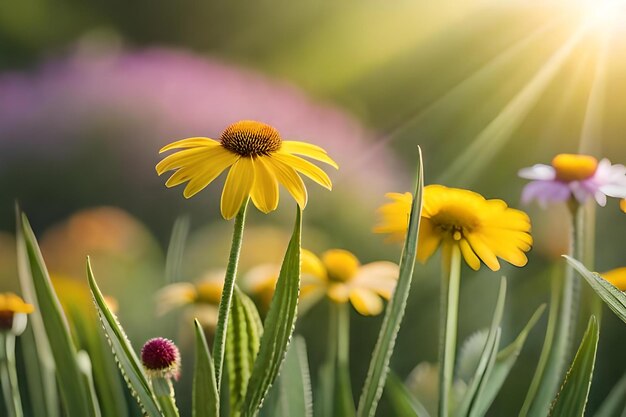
x=572, y=399
x=205, y=397
x=403, y=402
x=615, y=402
x=379, y=365
x=176, y=249
x=295, y=398
x=242, y=346
x=613, y=297
x=505, y=360
x=279, y=326
x=487, y=359
x=127, y=360
x=73, y=391
x=38, y=360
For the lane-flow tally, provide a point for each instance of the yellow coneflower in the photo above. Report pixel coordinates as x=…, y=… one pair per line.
x=484, y=230
x=342, y=277
x=617, y=277
x=258, y=159
x=11, y=307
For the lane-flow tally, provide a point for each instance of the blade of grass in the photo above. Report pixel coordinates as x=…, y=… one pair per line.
x=296, y=397
x=206, y=401
x=279, y=326
x=127, y=360
x=377, y=373
x=74, y=393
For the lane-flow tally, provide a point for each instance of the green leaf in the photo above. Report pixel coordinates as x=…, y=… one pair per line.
x=295, y=395
x=505, y=360
x=205, y=397
x=613, y=297
x=468, y=404
x=279, y=325
x=379, y=365
x=615, y=403
x=38, y=360
x=242, y=346
x=572, y=399
x=176, y=249
x=403, y=402
x=74, y=393
x=127, y=360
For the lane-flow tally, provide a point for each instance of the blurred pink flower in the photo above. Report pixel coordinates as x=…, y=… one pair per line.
x=577, y=176
x=142, y=100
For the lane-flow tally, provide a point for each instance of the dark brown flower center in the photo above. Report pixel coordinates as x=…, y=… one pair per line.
x=250, y=138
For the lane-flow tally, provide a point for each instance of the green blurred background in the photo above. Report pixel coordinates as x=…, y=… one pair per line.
x=89, y=91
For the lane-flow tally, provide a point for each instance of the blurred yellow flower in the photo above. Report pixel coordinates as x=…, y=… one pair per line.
x=204, y=295
x=258, y=159
x=260, y=281
x=12, y=306
x=617, y=277
x=484, y=230
x=342, y=277
x=622, y=205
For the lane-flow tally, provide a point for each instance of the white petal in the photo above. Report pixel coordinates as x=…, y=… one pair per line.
x=538, y=172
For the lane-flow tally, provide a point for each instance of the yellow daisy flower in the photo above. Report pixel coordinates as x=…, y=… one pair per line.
x=204, y=295
x=617, y=277
x=258, y=159
x=484, y=230
x=342, y=277
x=12, y=308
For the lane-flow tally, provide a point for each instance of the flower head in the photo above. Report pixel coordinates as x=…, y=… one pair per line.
x=574, y=176
x=484, y=230
x=342, y=277
x=160, y=358
x=617, y=277
x=13, y=312
x=258, y=159
x=622, y=205
x=204, y=295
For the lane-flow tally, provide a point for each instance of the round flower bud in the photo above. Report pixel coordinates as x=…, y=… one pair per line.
x=160, y=358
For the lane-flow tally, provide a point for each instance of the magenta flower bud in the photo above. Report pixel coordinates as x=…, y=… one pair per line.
x=160, y=358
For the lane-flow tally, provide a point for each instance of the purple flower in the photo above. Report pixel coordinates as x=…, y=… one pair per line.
x=574, y=176
x=160, y=358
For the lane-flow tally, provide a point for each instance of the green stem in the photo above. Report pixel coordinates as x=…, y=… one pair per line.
x=448, y=326
x=8, y=374
x=344, y=402
x=227, y=294
x=585, y=252
x=562, y=321
x=164, y=393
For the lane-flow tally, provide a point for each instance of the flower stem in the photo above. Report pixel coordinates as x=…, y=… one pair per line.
x=227, y=294
x=448, y=325
x=344, y=402
x=164, y=393
x=8, y=374
x=591, y=304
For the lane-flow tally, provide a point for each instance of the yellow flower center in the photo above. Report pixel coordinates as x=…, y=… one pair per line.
x=455, y=220
x=209, y=292
x=340, y=264
x=250, y=138
x=570, y=167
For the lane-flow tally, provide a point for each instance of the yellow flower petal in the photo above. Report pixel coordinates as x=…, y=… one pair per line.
x=617, y=277
x=305, y=167
x=340, y=264
x=237, y=187
x=483, y=251
x=366, y=302
x=428, y=240
x=380, y=277
x=338, y=292
x=188, y=157
x=312, y=265
x=290, y=179
x=309, y=150
x=217, y=161
x=469, y=255
x=622, y=204
x=265, y=189
x=12, y=303
x=189, y=143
